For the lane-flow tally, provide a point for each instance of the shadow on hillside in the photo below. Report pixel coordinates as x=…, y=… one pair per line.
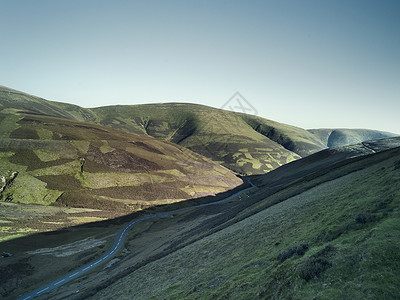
x=32, y=239
x=299, y=174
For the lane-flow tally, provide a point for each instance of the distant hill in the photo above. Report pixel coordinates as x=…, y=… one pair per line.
x=341, y=137
x=13, y=99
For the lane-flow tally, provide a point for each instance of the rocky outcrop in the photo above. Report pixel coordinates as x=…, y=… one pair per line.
x=7, y=180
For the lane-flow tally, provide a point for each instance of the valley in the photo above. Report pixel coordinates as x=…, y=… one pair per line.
x=157, y=201
x=333, y=209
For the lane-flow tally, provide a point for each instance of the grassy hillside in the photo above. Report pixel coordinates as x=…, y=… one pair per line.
x=243, y=143
x=246, y=144
x=239, y=142
x=66, y=163
x=292, y=138
x=13, y=99
x=340, y=137
x=334, y=234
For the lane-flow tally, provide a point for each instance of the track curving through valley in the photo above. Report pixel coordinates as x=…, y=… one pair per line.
x=117, y=245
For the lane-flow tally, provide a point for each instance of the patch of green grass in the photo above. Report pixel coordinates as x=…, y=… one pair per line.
x=46, y=156
x=6, y=154
x=8, y=124
x=68, y=168
x=11, y=237
x=81, y=146
x=44, y=134
x=105, y=148
x=28, y=189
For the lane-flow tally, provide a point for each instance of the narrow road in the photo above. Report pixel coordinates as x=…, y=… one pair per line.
x=118, y=242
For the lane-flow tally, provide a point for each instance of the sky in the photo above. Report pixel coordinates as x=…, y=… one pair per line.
x=312, y=64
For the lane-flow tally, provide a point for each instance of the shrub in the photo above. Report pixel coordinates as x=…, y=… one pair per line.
x=313, y=267
x=288, y=253
x=316, y=264
x=381, y=205
x=364, y=218
x=285, y=254
x=326, y=251
x=301, y=249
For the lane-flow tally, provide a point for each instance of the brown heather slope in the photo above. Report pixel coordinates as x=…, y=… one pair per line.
x=65, y=163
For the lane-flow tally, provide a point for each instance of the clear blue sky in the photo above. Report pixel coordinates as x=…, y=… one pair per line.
x=312, y=64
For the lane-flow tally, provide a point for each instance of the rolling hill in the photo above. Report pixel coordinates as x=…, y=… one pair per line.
x=325, y=226
x=332, y=236
x=103, y=171
x=243, y=143
x=341, y=137
x=13, y=99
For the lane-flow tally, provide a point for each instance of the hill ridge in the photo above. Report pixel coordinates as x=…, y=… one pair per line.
x=244, y=143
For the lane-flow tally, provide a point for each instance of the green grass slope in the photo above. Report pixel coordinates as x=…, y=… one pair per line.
x=340, y=137
x=224, y=136
x=333, y=234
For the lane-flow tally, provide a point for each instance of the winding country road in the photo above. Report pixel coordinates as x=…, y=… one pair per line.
x=118, y=242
